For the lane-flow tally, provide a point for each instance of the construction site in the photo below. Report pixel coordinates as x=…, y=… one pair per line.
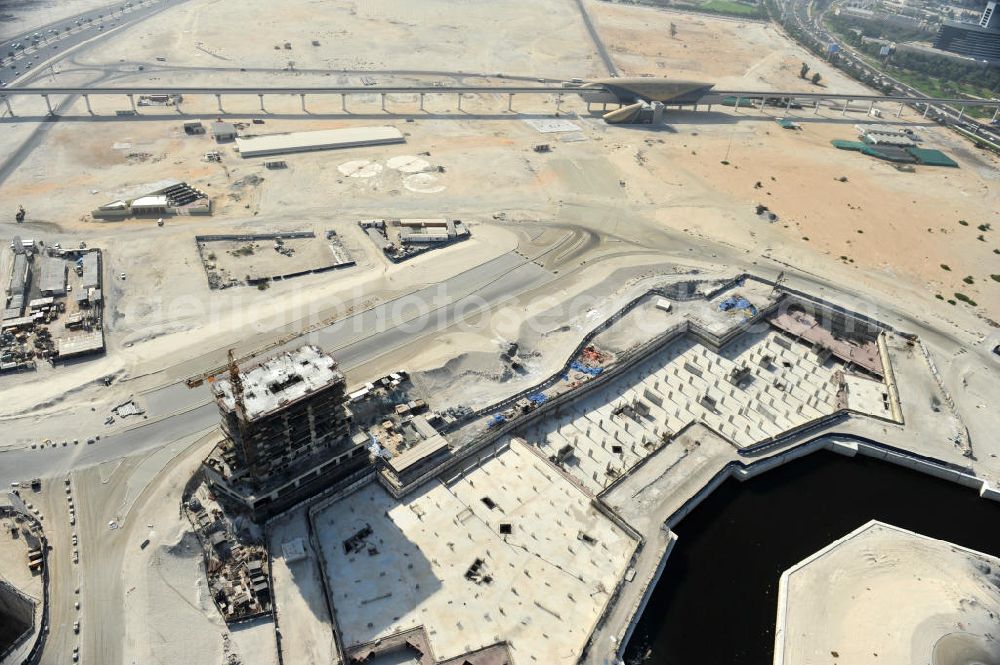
x=21, y=584
x=558, y=351
x=402, y=239
x=245, y=260
x=498, y=532
x=54, y=305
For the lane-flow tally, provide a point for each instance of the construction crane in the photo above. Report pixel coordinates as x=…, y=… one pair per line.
x=777, y=281
x=237, y=384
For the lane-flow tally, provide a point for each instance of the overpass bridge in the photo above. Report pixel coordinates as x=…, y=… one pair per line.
x=744, y=98
x=303, y=92
x=790, y=98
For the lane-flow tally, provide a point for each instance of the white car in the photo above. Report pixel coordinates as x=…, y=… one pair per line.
x=122, y=276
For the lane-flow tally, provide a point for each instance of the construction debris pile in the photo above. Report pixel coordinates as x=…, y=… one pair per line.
x=389, y=418
x=589, y=364
x=23, y=525
x=235, y=561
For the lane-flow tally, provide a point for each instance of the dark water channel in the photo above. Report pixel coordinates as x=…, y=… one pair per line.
x=717, y=599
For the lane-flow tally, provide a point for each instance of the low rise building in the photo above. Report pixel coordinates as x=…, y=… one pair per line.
x=223, y=131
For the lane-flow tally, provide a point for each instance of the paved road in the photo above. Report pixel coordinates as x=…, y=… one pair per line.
x=175, y=411
x=602, y=50
x=70, y=34
x=942, y=110
x=54, y=52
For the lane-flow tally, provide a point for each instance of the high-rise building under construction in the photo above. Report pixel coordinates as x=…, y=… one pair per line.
x=286, y=408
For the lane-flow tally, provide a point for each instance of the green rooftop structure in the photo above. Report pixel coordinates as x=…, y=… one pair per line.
x=932, y=157
x=923, y=156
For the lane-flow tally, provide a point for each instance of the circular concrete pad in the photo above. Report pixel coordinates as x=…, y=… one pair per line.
x=409, y=164
x=966, y=649
x=360, y=168
x=423, y=183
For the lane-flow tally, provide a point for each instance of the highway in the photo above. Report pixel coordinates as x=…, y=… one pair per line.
x=858, y=67
x=20, y=56
x=831, y=96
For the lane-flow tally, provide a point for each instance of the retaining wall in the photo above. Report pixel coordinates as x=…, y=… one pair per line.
x=18, y=614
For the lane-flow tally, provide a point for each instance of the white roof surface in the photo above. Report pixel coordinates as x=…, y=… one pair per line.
x=273, y=144
x=419, y=452
x=82, y=343
x=280, y=380
x=150, y=201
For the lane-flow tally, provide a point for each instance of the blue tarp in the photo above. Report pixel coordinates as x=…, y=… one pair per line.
x=537, y=398
x=577, y=366
x=495, y=420
x=738, y=302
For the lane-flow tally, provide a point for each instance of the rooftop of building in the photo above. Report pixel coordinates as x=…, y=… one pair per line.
x=279, y=381
x=949, y=609
x=509, y=550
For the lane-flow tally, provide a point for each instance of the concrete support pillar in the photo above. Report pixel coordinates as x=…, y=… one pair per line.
x=816, y=107
x=6, y=101
x=961, y=112
x=459, y=101
x=86, y=100
x=421, y=101
x=48, y=104
x=262, y=109
x=736, y=108
x=899, y=111
x=558, y=103
x=510, y=102
x=995, y=112
x=762, y=100
x=847, y=103
x=343, y=102
x=927, y=109
x=131, y=101
x=303, y=97
x=383, y=100
x=788, y=105
x=709, y=108
x=871, y=106
x=696, y=106
x=218, y=99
